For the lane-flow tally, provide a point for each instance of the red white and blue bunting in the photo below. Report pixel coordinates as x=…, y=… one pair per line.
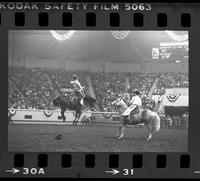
x=120, y=34
x=12, y=111
x=178, y=36
x=48, y=113
x=107, y=115
x=62, y=35
x=172, y=97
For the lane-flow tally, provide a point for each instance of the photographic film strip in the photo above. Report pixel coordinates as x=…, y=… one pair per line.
x=99, y=90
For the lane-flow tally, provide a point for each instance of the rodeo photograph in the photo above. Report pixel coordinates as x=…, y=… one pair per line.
x=98, y=91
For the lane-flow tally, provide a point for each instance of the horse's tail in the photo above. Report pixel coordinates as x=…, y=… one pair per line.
x=157, y=122
x=90, y=100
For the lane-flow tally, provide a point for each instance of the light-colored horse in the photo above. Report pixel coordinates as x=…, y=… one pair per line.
x=145, y=116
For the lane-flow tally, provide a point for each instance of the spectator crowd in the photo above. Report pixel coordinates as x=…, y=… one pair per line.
x=34, y=88
x=169, y=80
x=174, y=121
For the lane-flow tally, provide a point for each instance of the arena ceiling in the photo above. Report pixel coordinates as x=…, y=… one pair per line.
x=135, y=46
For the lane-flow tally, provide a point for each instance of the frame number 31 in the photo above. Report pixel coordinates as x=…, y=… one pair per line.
x=127, y=171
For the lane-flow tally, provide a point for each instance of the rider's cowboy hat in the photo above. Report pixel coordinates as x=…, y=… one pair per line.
x=75, y=76
x=119, y=95
x=136, y=92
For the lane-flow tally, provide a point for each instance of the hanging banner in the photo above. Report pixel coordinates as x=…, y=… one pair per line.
x=48, y=113
x=12, y=112
x=173, y=97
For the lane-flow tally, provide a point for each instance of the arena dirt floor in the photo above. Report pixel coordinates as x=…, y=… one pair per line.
x=95, y=138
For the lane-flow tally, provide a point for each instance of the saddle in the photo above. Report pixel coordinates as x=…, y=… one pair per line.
x=132, y=120
x=72, y=97
x=133, y=115
x=135, y=111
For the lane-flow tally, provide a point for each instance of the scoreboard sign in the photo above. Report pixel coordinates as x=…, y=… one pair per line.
x=171, y=50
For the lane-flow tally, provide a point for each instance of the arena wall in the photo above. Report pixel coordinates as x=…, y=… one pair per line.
x=39, y=117
x=55, y=115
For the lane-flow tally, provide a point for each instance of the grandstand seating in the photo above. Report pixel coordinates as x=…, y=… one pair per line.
x=169, y=80
x=34, y=88
x=107, y=86
x=142, y=81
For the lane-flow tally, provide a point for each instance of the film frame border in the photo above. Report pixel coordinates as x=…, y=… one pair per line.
x=78, y=158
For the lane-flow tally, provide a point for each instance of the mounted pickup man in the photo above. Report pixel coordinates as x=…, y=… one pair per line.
x=134, y=115
x=79, y=92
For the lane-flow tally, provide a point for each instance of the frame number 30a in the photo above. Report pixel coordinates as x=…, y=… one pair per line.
x=127, y=171
x=33, y=171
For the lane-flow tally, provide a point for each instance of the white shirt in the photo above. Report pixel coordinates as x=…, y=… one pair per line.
x=76, y=84
x=136, y=100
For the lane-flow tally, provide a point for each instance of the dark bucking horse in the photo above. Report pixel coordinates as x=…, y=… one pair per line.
x=67, y=102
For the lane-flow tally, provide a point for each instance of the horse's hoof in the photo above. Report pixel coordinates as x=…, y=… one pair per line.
x=120, y=137
x=148, y=139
